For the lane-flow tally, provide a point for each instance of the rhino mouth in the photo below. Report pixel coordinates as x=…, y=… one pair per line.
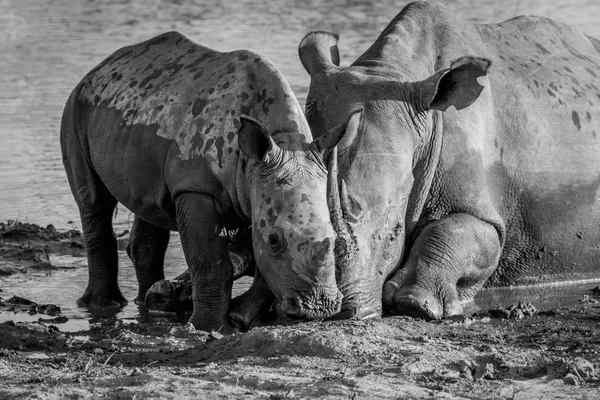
x=321, y=303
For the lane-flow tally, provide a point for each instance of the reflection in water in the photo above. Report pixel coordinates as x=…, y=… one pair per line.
x=47, y=47
x=543, y=297
x=64, y=286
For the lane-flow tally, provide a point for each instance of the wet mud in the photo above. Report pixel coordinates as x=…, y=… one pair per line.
x=27, y=246
x=506, y=352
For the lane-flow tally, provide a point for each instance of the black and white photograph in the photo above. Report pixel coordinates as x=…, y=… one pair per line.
x=299, y=199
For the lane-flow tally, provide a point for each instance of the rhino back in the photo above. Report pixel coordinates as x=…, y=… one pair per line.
x=161, y=117
x=541, y=157
x=535, y=125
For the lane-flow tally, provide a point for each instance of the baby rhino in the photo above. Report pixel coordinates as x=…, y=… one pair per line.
x=158, y=126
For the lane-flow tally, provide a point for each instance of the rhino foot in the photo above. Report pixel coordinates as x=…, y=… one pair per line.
x=417, y=302
x=161, y=297
x=211, y=323
x=446, y=267
x=245, y=318
x=93, y=298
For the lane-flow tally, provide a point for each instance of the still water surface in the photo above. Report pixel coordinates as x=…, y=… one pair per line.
x=46, y=47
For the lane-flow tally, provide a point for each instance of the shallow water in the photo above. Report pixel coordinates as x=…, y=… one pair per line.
x=47, y=46
x=63, y=286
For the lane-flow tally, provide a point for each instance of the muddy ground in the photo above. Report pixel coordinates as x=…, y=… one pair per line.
x=506, y=354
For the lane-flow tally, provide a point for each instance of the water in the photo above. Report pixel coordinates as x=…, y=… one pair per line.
x=46, y=46
x=544, y=297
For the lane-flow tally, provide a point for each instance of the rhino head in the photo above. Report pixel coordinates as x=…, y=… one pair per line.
x=293, y=238
x=386, y=158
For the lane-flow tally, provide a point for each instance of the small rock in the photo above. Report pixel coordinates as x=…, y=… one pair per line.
x=6, y=270
x=484, y=371
x=20, y=301
x=58, y=320
x=582, y=368
x=49, y=309
x=466, y=369
x=571, y=379
x=499, y=313
x=188, y=331
x=515, y=311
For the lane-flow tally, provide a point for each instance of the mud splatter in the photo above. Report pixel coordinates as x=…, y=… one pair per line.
x=576, y=121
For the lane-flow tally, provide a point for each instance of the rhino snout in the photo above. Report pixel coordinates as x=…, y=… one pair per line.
x=321, y=304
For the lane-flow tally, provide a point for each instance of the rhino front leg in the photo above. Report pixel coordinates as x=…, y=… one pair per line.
x=250, y=308
x=199, y=223
x=146, y=249
x=448, y=264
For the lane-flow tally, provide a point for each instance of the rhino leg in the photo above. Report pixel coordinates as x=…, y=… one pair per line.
x=449, y=262
x=199, y=223
x=103, y=263
x=146, y=249
x=96, y=205
x=251, y=307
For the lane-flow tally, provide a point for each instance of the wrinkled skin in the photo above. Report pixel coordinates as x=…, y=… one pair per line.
x=201, y=142
x=459, y=172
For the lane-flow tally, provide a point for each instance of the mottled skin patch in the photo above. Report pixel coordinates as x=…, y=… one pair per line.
x=489, y=173
x=155, y=126
x=151, y=71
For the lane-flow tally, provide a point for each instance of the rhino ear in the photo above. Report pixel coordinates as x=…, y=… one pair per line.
x=456, y=86
x=344, y=132
x=318, y=51
x=254, y=139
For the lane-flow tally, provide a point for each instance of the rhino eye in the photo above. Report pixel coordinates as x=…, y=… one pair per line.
x=277, y=241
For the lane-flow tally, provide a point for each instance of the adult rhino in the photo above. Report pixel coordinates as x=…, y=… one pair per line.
x=456, y=171
x=158, y=127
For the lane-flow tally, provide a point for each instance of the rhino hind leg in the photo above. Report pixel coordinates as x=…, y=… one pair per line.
x=199, y=222
x=103, y=263
x=448, y=264
x=96, y=207
x=146, y=249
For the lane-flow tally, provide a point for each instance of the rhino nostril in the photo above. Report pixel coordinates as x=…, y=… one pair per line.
x=292, y=308
x=321, y=250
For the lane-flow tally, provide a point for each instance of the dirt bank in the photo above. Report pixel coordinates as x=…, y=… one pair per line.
x=548, y=356
x=515, y=353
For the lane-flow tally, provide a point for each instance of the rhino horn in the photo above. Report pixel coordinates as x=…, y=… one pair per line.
x=333, y=194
